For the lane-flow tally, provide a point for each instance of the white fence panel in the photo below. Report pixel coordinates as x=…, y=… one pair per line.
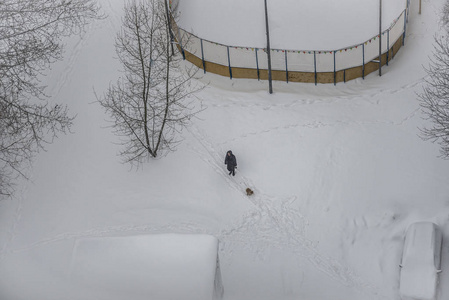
x=324, y=61
x=371, y=49
x=263, y=59
x=348, y=58
x=300, y=62
x=397, y=30
x=191, y=43
x=243, y=57
x=385, y=45
x=182, y=37
x=278, y=60
x=215, y=53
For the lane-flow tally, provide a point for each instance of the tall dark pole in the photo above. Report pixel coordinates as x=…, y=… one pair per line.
x=270, y=86
x=380, y=38
x=167, y=11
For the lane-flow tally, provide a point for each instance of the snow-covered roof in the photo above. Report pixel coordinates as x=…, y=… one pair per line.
x=161, y=266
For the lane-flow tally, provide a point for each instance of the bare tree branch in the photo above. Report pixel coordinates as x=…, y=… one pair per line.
x=153, y=100
x=435, y=96
x=31, y=35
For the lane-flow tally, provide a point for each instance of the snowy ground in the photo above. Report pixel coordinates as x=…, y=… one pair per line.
x=339, y=173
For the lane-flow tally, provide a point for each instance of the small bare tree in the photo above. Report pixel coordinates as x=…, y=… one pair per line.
x=435, y=96
x=31, y=35
x=152, y=102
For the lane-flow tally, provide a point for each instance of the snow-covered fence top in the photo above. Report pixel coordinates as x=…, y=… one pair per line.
x=294, y=65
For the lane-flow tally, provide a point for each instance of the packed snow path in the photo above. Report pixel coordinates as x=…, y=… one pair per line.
x=274, y=222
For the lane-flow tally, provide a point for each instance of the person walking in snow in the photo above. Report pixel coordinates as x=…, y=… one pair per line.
x=231, y=162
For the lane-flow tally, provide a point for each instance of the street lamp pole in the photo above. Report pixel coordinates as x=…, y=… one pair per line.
x=167, y=11
x=270, y=86
x=380, y=38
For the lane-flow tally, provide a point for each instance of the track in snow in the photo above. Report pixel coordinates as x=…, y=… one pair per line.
x=273, y=222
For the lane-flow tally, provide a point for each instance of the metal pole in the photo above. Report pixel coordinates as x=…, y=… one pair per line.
x=202, y=56
x=335, y=70
x=380, y=37
x=405, y=27
x=314, y=64
x=169, y=27
x=407, y=9
x=257, y=65
x=180, y=45
x=286, y=66
x=363, y=65
x=388, y=45
x=419, y=6
x=229, y=64
x=270, y=86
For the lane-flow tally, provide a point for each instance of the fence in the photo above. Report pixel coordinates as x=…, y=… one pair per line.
x=318, y=66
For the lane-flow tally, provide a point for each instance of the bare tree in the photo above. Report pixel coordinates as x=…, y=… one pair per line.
x=445, y=14
x=151, y=102
x=31, y=35
x=435, y=96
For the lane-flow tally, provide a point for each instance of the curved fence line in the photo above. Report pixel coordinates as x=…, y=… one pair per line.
x=318, y=66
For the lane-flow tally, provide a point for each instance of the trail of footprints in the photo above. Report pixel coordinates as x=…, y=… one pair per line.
x=273, y=222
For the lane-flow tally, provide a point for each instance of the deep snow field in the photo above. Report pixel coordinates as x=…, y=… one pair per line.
x=339, y=173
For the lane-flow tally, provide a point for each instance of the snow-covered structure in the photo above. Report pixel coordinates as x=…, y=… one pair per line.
x=421, y=261
x=160, y=266
x=347, y=47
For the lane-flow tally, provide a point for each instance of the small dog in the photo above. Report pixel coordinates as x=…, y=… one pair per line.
x=249, y=192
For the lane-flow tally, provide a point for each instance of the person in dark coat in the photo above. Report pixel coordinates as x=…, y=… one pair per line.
x=231, y=162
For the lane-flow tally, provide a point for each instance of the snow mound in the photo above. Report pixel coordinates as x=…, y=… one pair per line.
x=420, y=261
x=162, y=266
